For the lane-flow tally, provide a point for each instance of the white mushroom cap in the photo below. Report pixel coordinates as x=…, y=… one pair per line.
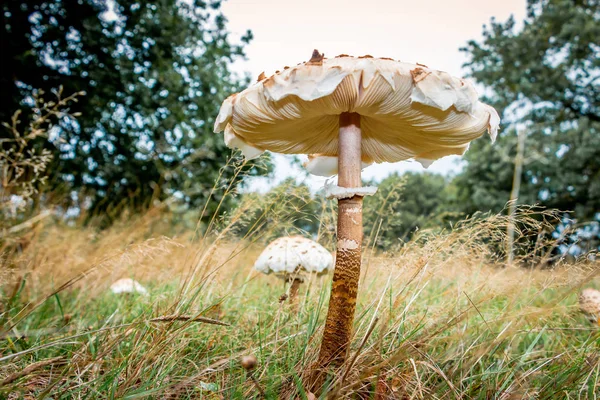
x=294, y=254
x=127, y=285
x=407, y=111
x=589, y=304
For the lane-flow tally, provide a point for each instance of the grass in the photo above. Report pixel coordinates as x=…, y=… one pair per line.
x=436, y=318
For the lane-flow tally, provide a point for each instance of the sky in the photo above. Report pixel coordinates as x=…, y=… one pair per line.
x=428, y=31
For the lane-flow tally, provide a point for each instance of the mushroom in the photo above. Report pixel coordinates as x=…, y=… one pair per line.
x=291, y=258
x=345, y=113
x=589, y=304
x=128, y=285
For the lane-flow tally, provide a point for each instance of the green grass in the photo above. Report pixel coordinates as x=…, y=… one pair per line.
x=429, y=342
x=439, y=318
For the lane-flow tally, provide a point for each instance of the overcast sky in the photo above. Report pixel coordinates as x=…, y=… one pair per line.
x=427, y=31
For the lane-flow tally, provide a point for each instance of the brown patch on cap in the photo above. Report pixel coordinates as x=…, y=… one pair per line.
x=316, y=58
x=286, y=67
x=366, y=56
x=422, y=65
x=261, y=76
x=269, y=82
x=418, y=74
x=387, y=58
x=342, y=55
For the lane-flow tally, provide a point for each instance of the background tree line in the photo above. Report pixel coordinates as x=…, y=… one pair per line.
x=155, y=73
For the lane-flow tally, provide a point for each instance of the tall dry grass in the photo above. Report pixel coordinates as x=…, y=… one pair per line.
x=440, y=317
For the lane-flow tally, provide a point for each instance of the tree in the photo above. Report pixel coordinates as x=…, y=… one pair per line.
x=154, y=74
x=405, y=203
x=543, y=77
x=287, y=209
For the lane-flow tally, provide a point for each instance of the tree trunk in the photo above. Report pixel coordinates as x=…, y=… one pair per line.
x=514, y=197
x=342, y=303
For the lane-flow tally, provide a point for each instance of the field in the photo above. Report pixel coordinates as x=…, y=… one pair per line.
x=440, y=317
x=167, y=143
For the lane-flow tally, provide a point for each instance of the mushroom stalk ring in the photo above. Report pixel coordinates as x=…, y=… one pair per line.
x=333, y=191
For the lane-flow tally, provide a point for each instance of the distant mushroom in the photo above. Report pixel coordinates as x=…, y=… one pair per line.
x=345, y=113
x=128, y=285
x=292, y=258
x=589, y=304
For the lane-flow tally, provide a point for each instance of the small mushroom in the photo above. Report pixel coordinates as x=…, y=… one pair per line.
x=128, y=285
x=345, y=113
x=589, y=304
x=250, y=362
x=292, y=258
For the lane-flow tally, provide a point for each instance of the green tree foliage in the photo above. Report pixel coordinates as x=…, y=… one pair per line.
x=285, y=210
x=154, y=74
x=404, y=204
x=544, y=77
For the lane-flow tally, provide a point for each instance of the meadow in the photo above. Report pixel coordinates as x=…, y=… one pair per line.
x=441, y=316
x=470, y=272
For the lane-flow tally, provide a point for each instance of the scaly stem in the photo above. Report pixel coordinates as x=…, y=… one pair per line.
x=342, y=303
x=294, y=287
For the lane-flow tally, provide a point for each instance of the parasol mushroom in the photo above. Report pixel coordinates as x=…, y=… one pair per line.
x=345, y=113
x=589, y=304
x=128, y=285
x=292, y=257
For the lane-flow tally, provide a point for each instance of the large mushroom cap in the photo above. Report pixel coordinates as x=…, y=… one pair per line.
x=294, y=254
x=407, y=111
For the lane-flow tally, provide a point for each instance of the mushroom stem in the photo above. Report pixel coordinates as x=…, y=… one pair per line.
x=342, y=303
x=294, y=287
